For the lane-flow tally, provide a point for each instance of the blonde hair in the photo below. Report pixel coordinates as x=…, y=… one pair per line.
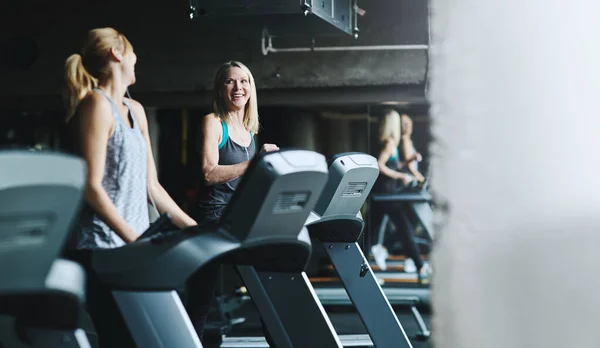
x=220, y=108
x=82, y=71
x=390, y=127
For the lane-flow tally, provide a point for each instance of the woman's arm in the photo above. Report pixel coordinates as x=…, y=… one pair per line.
x=95, y=126
x=209, y=149
x=406, y=163
x=164, y=202
x=411, y=159
x=384, y=155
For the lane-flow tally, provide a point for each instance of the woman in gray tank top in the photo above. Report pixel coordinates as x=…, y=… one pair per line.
x=111, y=133
x=226, y=147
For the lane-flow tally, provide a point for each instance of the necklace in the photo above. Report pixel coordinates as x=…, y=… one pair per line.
x=236, y=121
x=239, y=126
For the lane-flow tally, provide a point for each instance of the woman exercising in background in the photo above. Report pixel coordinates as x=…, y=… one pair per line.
x=394, y=179
x=226, y=148
x=227, y=144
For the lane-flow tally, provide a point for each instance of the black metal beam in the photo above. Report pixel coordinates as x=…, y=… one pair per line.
x=397, y=95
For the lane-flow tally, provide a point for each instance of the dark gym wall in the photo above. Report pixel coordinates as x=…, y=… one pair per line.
x=177, y=57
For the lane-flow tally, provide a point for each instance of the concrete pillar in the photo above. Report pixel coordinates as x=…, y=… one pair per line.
x=514, y=95
x=301, y=129
x=339, y=136
x=359, y=136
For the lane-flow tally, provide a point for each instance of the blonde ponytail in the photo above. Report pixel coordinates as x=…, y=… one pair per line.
x=390, y=127
x=78, y=83
x=80, y=80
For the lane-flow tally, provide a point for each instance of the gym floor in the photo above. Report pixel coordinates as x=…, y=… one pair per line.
x=346, y=322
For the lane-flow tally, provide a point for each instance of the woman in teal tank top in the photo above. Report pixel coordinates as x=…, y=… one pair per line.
x=226, y=148
x=227, y=139
x=394, y=178
x=391, y=178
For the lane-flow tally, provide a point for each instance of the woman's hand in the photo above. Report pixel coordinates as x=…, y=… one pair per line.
x=405, y=178
x=269, y=148
x=416, y=157
x=131, y=236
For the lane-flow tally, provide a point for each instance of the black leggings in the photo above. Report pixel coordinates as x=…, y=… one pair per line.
x=399, y=214
x=200, y=288
x=110, y=326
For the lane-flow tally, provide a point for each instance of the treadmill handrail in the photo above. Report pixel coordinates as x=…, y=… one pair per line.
x=321, y=219
x=135, y=265
x=403, y=197
x=119, y=269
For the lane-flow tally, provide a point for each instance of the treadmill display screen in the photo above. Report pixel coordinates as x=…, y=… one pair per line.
x=24, y=230
x=289, y=202
x=354, y=189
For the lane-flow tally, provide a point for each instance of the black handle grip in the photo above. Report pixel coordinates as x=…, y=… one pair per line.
x=157, y=226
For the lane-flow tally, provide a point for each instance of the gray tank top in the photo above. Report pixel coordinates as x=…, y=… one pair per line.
x=125, y=181
x=212, y=199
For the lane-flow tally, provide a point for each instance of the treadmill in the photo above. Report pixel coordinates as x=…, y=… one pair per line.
x=419, y=203
x=262, y=232
x=337, y=223
x=40, y=195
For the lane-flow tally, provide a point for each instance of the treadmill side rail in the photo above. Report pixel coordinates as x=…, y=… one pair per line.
x=292, y=298
x=157, y=319
x=367, y=296
x=40, y=337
